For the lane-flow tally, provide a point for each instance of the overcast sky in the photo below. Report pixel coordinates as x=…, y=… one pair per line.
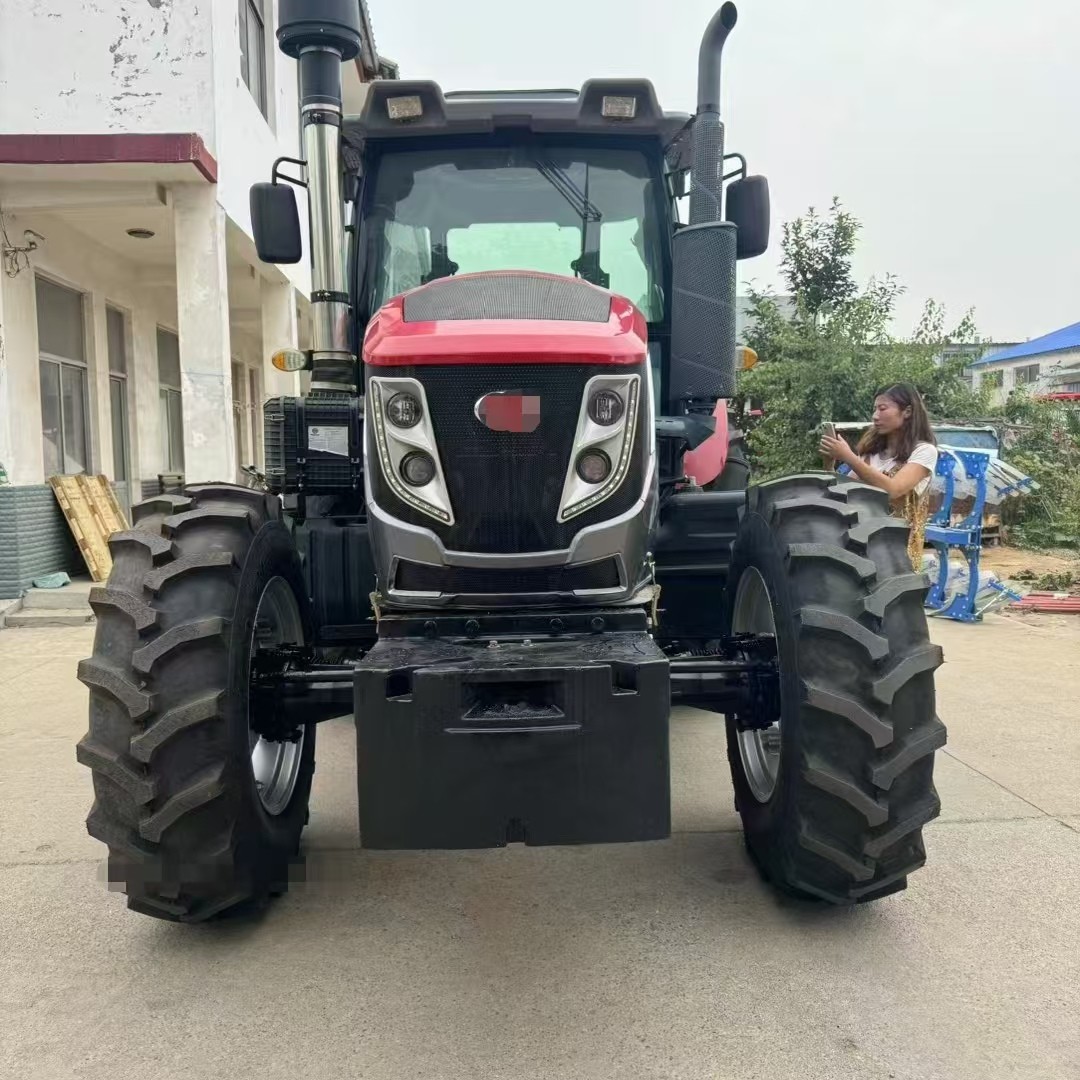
x=950, y=128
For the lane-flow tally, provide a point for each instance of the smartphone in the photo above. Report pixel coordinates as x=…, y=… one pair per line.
x=829, y=430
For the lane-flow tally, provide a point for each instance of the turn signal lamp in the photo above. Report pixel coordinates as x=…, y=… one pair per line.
x=289, y=360
x=747, y=357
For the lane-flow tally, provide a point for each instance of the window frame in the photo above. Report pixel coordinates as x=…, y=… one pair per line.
x=60, y=363
x=249, y=10
x=237, y=368
x=254, y=389
x=121, y=455
x=80, y=364
x=168, y=393
x=655, y=255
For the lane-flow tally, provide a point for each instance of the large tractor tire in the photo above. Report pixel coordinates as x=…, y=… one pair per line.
x=200, y=814
x=834, y=794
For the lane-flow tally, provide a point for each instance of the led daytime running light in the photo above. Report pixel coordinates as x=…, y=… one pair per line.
x=619, y=473
x=397, y=485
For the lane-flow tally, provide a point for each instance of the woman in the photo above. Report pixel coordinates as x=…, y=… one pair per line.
x=898, y=454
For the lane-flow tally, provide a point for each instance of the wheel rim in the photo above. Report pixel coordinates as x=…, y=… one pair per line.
x=759, y=749
x=275, y=766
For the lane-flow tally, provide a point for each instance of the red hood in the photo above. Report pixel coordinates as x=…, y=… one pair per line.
x=391, y=341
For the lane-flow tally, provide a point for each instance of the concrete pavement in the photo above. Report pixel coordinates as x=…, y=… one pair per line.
x=665, y=960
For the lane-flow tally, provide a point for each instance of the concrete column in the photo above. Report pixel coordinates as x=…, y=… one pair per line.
x=202, y=297
x=20, y=383
x=279, y=331
x=101, y=447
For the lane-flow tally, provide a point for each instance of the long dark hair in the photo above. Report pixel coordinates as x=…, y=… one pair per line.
x=916, y=429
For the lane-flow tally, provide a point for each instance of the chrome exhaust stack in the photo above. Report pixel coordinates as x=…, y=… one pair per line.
x=321, y=35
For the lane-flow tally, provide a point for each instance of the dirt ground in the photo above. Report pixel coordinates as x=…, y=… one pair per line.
x=1006, y=562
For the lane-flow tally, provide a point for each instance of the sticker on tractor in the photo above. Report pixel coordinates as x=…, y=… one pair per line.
x=329, y=440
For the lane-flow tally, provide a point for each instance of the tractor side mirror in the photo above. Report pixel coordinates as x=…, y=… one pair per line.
x=275, y=223
x=748, y=208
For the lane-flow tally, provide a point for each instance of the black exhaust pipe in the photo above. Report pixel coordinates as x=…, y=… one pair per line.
x=706, y=174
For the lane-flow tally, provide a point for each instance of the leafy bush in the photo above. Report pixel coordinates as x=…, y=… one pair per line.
x=1046, y=446
x=829, y=357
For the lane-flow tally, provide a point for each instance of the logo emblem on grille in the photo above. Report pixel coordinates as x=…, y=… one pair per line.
x=507, y=410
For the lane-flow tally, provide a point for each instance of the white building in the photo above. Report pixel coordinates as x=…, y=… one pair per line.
x=1047, y=365
x=135, y=318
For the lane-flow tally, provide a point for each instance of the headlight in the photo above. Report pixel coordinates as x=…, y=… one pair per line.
x=401, y=435
x=417, y=469
x=403, y=411
x=603, y=442
x=594, y=466
x=605, y=408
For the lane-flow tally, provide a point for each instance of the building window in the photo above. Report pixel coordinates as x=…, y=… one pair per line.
x=253, y=49
x=62, y=371
x=1026, y=375
x=118, y=403
x=172, y=412
x=255, y=412
x=238, y=411
x=994, y=379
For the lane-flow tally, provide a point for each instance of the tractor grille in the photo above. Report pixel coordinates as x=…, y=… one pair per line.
x=419, y=577
x=505, y=486
x=508, y=296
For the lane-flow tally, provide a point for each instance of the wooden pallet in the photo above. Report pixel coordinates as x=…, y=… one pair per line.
x=93, y=515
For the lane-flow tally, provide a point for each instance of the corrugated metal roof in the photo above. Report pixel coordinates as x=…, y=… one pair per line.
x=1068, y=337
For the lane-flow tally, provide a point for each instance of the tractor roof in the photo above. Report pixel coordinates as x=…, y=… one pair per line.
x=559, y=112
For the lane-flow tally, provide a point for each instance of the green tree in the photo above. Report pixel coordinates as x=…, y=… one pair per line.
x=1046, y=447
x=827, y=358
x=817, y=258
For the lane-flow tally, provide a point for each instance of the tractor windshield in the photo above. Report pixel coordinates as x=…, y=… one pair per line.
x=587, y=212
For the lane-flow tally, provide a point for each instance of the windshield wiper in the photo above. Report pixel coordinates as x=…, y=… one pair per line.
x=587, y=266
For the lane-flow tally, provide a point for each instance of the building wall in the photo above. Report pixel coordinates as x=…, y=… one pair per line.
x=1049, y=365
x=249, y=142
x=153, y=66
x=34, y=538
x=73, y=260
x=138, y=65
x=1061, y=367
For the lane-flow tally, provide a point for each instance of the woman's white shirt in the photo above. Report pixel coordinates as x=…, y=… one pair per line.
x=924, y=454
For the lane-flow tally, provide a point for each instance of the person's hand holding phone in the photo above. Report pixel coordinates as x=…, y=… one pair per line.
x=833, y=447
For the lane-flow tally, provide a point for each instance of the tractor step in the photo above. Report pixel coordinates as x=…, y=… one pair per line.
x=30, y=618
x=74, y=596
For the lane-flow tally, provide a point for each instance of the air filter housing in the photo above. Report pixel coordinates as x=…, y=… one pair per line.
x=314, y=445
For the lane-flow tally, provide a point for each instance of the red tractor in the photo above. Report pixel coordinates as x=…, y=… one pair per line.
x=479, y=536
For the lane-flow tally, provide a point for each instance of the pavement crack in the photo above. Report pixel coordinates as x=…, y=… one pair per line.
x=997, y=783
